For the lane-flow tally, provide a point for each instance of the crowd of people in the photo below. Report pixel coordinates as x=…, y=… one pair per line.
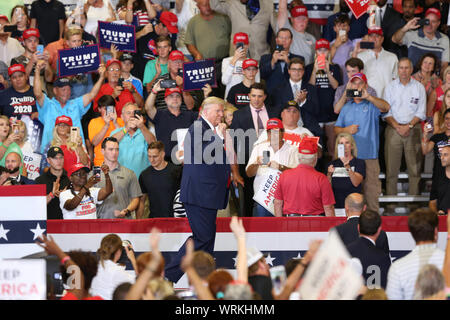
x=322, y=108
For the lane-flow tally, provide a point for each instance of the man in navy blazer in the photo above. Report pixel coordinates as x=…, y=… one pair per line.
x=273, y=67
x=375, y=262
x=205, y=180
x=348, y=231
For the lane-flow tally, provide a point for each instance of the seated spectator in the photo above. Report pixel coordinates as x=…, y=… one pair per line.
x=134, y=138
x=169, y=118
x=74, y=150
x=18, y=100
x=81, y=199
x=159, y=184
x=12, y=176
x=127, y=65
x=426, y=68
x=159, y=66
x=440, y=189
x=124, y=199
x=9, y=47
x=123, y=94
x=426, y=39
x=274, y=66
x=346, y=173
x=238, y=93
x=110, y=274
x=49, y=18
x=430, y=283
x=304, y=191
x=61, y=104
x=302, y=42
x=402, y=275
x=233, y=67
x=31, y=57
x=282, y=156
x=20, y=18
x=437, y=97
x=367, y=253
x=55, y=180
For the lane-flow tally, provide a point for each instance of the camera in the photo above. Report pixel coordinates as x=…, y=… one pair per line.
x=97, y=171
x=167, y=83
x=109, y=109
x=367, y=45
x=180, y=72
x=120, y=82
x=239, y=45
x=137, y=113
x=279, y=47
x=352, y=93
x=266, y=157
x=11, y=28
x=423, y=22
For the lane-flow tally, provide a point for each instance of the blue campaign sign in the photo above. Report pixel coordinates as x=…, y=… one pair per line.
x=78, y=60
x=123, y=36
x=198, y=73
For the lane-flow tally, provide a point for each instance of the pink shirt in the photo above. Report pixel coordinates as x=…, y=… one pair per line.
x=262, y=114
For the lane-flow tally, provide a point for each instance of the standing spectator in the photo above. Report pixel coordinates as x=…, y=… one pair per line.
x=48, y=16
x=102, y=126
x=20, y=18
x=430, y=284
x=6, y=6
x=427, y=67
x=407, y=98
x=7, y=141
x=169, y=119
x=437, y=97
x=55, y=180
x=423, y=225
x=50, y=109
x=127, y=65
x=134, y=138
x=159, y=183
x=253, y=18
x=81, y=199
x=185, y=10
x=233, y=67
x=348, y=231
x=4, y=79
x=122, y=94
x=18, y=100
x=157, y=67
x=303, y=191
x=132, y=10
x=97, y=10
x=9, y=47
x=238, y=93
x=426, y=39
x=302, y=42
x=124, y=199
x=13, y=162
x=439, y=116
x=365, y=250
x=326, y=79
x=282, y=156
x=440, y=189
x=201, y=211
x=380, y=65
x=346, y=173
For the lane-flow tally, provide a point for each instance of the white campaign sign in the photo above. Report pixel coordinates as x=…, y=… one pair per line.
x=32, y=162
x=266, y=193
x=23, y=279
x=330, y=276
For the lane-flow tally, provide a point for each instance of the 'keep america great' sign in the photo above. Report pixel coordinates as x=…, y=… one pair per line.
x=78, y=60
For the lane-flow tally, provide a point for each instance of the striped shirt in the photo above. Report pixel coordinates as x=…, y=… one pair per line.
x=403, y=273
x=142, y=16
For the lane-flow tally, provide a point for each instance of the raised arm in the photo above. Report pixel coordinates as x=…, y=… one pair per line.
x=397, y=38
x=150, y=102
x=88, y=97
x=108, y=188
x=282, y=14
x=241, y=262
x=37, y=85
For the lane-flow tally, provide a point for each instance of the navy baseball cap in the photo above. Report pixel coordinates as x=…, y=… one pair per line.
x=61, y=82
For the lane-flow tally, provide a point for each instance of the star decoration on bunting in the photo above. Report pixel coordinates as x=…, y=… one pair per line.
x=299, y=256
x=3, y=232
x=315, y=7
x=37, y=232
x=327, y=8
x=269, y=260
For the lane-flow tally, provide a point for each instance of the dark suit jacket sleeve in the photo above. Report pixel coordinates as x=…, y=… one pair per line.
x=382, y=242
x=312, y=100
x=265, y=66
x=328, y=31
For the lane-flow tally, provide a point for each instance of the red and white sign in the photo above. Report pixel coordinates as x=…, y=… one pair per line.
x=359, y=7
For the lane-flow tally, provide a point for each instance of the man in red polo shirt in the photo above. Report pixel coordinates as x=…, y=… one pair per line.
x=303, y=191
x=122, y=94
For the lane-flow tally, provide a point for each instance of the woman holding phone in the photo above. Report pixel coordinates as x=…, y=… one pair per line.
x=346, y=172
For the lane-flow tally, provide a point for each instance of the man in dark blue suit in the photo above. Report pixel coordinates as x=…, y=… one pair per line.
x=348, y=231
x=205, y=180
x=302, y=92
x=375, y=262
x=274, y=67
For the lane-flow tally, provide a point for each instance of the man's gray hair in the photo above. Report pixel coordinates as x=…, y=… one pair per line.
x=429, y=282
x=309, y=159
x=238, y=292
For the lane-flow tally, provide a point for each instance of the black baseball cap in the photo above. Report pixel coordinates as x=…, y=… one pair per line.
x=291, y=103
x=126, y=56
x=61, y=82
x=53, y=151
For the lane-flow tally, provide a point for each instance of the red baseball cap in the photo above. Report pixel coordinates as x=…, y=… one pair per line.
x=75, y=167
x=322, y=43
x=274, y=123
x=32, y=32
x=111, y=61
x=176, y=55
x=361, y=76
x=64, y=119
x=169, y=91
x=298, y=11
x=308, y=145
x=170, y=20
x=4, y=18
x=375, y=30
x=240, y=37
x=433, y=11
x=16, y=68
x=249, y=63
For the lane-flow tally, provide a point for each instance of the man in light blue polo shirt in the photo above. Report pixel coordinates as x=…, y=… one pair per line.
x=60, y=105
x=134, y=139
x=360, y=117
